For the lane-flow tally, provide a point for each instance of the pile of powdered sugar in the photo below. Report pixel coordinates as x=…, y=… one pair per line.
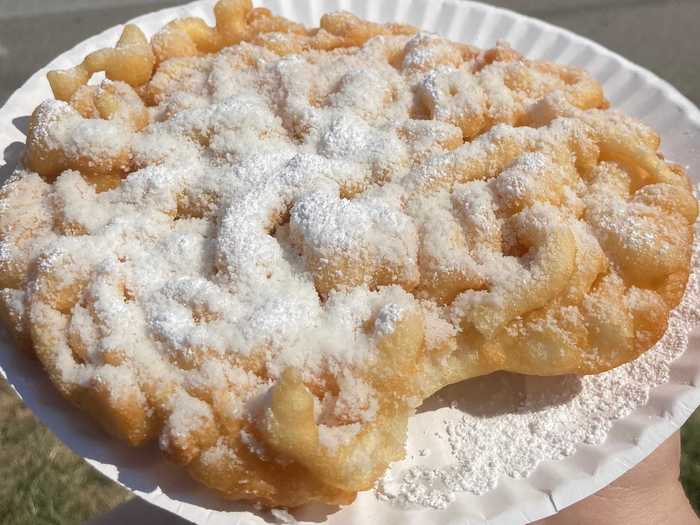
x=527, y=420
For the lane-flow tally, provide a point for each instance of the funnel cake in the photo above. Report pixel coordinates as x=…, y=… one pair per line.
x=264, y=246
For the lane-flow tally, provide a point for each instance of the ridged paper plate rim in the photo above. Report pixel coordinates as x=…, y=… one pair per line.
x=555, y=484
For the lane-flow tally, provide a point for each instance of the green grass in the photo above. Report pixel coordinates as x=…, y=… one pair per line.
x=43, y=482
x=690, y=459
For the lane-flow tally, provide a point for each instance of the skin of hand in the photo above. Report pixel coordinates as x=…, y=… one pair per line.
x=649, y=494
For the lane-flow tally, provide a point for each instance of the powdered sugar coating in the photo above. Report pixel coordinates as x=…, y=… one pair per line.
x=281, y=214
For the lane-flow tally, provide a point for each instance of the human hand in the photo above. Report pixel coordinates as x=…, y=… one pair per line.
x=649, y=494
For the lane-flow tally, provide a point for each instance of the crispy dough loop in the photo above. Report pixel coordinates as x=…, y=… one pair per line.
x=581, y=91
x=185, y=37
x=130, y=61
x=32, y=195
x=362, y=263
x=59, y=138
x=108, y=391
x=548, y=266
x=290, y=429
x=290, y=426
x=112, y=101
x=236, y=21
x=231, y=20
x=354, y=31
x=92, y=134
x=613, y=213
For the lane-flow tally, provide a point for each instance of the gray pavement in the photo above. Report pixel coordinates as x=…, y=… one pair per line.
x=661, y=35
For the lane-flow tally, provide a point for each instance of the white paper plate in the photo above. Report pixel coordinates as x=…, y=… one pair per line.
x=555, y=484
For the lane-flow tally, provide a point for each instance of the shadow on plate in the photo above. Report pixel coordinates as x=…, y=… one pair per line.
x=13, y=152
x=11, y=157
x=503, y=392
